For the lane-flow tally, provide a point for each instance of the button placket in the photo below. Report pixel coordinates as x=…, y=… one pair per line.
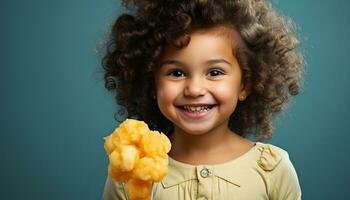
x=204, y=182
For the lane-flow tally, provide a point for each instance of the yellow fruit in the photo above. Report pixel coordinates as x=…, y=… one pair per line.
x=138, y=189
x=129, y=156
x=109, y=145
x=132, y=130
x=151, y=169
x=137, y=156
x=115, y=159
x=155, y=143
x=118, y=175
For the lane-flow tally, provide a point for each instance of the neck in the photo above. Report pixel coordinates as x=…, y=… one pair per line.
x=189, y=144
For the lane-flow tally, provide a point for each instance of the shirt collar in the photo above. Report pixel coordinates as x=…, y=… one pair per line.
x=230, y=171
x=266, y=156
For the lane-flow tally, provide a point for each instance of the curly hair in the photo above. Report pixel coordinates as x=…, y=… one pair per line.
x=269, y=57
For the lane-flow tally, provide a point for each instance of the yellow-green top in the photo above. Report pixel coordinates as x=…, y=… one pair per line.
x=264, y=172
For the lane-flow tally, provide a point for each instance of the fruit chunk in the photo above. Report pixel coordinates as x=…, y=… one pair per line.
x=137, y=156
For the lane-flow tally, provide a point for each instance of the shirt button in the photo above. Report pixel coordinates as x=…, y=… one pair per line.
x=204, y=172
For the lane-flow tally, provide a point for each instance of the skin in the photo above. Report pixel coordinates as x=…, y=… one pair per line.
x=185, y=77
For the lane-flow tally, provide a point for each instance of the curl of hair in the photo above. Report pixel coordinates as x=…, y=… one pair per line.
x=271, y=63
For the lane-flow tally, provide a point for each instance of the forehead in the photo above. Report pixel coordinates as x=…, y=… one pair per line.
x=204, y=43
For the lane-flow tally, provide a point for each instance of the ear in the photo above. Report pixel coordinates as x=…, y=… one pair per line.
x=245, y=91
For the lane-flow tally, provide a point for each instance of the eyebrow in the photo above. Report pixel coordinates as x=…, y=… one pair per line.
x=209, y=62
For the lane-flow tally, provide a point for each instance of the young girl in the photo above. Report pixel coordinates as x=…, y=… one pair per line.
x=208, y=74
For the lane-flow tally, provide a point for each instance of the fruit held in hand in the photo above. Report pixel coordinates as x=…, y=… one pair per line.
x=137, y=156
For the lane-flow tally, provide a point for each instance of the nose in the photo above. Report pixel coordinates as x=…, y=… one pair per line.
x=195, y=87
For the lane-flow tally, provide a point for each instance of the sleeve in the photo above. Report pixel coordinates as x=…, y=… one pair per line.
x=284, y=181
x=114, y=190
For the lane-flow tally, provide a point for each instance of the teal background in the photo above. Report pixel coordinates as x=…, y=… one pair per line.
x=55, y=110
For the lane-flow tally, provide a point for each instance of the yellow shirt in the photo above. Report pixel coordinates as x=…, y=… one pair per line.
x=264, y=172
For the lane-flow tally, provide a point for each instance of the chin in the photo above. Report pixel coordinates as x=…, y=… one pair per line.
x=195, y=130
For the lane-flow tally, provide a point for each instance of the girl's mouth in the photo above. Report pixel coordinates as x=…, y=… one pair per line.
x=196, y=112
x=197, y=108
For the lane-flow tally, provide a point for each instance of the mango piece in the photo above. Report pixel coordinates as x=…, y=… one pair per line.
x=138, y=189
x=151, y=169
x=129, y=156
x=155, y=143
x=137, y=156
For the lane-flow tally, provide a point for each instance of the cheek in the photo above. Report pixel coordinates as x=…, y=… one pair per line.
x=226, y=91
x=166, y=93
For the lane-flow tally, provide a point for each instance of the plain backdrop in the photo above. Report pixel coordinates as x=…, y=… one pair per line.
x=55, y=110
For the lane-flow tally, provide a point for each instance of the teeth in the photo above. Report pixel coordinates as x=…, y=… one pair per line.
x=196, y=108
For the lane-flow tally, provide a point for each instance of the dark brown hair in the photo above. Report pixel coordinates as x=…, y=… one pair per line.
x=268, y=55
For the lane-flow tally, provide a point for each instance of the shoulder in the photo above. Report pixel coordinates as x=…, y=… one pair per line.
x=271, y=156
x=282, y=176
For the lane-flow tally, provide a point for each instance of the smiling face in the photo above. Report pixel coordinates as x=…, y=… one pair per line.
x=197, y=87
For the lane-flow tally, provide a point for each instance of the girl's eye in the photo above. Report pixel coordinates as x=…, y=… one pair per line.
x=215, y=72
x=176, y=73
